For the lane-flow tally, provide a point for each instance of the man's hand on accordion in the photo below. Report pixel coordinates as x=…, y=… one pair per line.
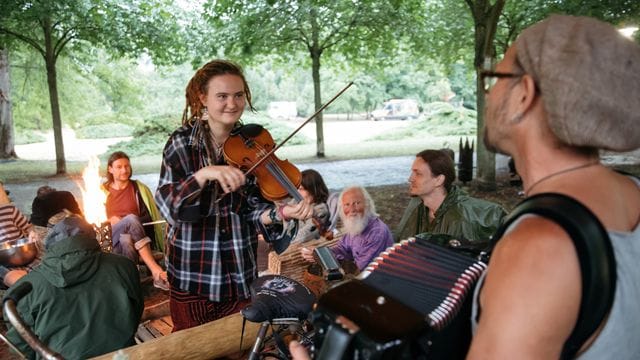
x=298, y=352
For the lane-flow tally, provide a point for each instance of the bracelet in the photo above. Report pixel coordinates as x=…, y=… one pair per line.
x=281, y=213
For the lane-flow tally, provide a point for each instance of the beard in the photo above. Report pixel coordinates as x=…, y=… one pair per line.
x=491, y=134
x=488, y=144
x=355, y=225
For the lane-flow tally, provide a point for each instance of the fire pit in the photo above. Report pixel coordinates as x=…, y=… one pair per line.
x=103, y=235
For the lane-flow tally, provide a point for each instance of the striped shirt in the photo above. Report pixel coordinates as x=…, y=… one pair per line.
x=212, y=244
x=13, y=225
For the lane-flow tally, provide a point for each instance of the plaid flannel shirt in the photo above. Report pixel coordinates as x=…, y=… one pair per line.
x=212, y=245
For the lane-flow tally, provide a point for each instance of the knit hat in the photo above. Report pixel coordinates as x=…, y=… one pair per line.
x=72, y=225
x=49, y=204
x=589, y=77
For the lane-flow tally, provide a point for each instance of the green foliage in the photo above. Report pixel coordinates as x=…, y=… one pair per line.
x=149, y=137
x=104, y=131
x=157, y=125
x=439, y=119
x=278, y=129
x=28, y=137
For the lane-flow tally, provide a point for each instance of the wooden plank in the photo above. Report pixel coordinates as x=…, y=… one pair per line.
x=155, y=311
x=164, y=325
x=212, y=340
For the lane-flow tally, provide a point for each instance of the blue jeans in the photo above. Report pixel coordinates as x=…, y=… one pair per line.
x=128, y=235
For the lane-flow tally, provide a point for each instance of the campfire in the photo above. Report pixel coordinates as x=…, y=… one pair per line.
x=93, y=203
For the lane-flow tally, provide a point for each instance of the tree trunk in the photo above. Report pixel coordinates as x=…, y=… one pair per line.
x=485, y=17
x=316, y=52
x=50, y=61
x=7, y=150
x=317, y=98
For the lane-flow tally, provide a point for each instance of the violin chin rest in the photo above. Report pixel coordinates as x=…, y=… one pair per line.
x=250, y=130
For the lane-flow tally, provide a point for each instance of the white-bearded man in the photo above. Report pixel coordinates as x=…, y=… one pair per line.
x=365, y=235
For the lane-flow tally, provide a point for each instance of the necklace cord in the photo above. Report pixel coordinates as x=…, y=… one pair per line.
x=571, y=169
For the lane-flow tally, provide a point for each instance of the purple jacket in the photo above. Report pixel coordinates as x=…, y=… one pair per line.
x=363, y=248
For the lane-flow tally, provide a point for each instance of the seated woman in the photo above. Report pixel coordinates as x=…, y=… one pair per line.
x=13, y=226
x=129, y=205
x=313, y=189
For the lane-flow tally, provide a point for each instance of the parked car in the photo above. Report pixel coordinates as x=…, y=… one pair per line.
x=402, y=109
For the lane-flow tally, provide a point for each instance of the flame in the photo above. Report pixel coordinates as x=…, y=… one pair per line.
x=93, y=198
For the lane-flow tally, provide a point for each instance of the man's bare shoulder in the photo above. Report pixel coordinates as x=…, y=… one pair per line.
x=531, y=295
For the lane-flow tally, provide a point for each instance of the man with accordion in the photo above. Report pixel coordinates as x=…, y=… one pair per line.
x=561, y=281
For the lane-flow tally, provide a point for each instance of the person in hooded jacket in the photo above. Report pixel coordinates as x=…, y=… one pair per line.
x=84, y=302
x=440, y=207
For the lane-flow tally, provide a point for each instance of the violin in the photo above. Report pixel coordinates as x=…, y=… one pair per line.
x=251, y=148
x=277, y=179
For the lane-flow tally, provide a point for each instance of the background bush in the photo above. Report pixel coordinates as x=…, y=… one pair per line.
x=104, y=131
x=28, y=137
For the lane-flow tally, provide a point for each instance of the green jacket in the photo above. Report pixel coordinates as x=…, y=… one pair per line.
x=459, y=215
x=150, y=206
x=84, y=302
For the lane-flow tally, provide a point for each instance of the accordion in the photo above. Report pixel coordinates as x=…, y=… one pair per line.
x=413, y=301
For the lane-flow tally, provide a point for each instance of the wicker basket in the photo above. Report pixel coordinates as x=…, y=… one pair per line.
x=290, y=263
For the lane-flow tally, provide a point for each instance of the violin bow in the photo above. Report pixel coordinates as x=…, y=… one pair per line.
x=266, y=156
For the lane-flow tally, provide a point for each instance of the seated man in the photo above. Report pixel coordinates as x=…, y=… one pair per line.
x=440, y=207
x=130, y=204
x=84, y=302
x=365, y=235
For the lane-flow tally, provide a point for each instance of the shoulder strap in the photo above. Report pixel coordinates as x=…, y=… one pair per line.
x=595, y=254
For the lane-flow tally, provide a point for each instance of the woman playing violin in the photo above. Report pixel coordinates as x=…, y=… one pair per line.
x=215, y=212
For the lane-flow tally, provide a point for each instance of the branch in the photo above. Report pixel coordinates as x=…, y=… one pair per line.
x=337, y=34
x=58, y=49
x=27, y=40
x=64, y=39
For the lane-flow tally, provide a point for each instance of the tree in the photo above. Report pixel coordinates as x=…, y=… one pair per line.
x=358, y=30
x=7, y=149
x=51, y=27
x=495, y=25
x=485, y=20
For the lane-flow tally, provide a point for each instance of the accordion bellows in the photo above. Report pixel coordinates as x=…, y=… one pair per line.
x=430, y=279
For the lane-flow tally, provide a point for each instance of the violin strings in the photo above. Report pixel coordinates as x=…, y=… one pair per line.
x=277, y=172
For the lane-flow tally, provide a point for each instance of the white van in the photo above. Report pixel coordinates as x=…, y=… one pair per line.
x=402, y=109
x=282, y=110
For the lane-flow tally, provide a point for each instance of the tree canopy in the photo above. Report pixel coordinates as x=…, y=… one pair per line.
x=52, y=27
x=358, y=31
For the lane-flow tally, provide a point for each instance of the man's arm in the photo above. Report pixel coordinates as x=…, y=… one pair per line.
x=372, y=245
x=531, y=295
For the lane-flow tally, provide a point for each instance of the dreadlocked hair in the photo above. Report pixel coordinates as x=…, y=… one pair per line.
x=199, y=83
